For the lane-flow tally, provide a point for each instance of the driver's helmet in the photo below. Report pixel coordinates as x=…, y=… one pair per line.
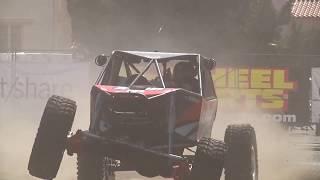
x=184, y=72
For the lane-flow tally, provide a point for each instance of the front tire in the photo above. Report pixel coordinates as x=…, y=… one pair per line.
x=50, y=141
x=209, y=160
x=241, y=159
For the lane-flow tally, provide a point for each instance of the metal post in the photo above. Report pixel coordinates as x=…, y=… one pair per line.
x=200, y=78
x=9, y=43
x=53, y=41
x=11, y=50
x=172, y=122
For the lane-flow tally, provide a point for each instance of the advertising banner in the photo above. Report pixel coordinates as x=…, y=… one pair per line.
x=277, y=87
x=27, y=82
x=257, y=89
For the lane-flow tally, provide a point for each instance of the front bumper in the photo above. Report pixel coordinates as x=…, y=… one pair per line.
x=113, y=148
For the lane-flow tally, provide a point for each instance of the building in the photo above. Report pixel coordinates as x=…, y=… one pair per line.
x=34, y=25
x=302, y=33
x=306, y=14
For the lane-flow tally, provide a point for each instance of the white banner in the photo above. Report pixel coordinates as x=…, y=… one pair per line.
x=26, y=82
x=315, y=83
x=315, y=95
x=316, y=111
x=38, y=81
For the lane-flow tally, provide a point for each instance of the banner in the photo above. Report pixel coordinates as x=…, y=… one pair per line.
x=256, y=89
x=266, y=88
x=27, y=82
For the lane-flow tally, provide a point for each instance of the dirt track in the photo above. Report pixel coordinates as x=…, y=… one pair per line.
x=277, y=157
x=14, y=166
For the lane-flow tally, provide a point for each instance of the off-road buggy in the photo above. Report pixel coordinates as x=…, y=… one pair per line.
x=151, y=112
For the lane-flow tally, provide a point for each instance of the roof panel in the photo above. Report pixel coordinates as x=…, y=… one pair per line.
x=306, y=9
x=157, y=55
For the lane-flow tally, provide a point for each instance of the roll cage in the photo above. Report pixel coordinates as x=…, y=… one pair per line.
x=128, y=60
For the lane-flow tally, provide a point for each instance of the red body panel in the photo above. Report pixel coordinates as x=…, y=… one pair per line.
x=167, y=107
x=147, y=92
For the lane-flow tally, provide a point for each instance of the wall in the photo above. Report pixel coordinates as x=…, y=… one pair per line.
x=48, y=26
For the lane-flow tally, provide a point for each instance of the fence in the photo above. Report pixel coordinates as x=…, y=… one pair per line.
x=285, y=87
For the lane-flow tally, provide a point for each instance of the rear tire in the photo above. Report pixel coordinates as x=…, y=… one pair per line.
x=50, y=141
x=148, y=172
x=93, y=166
x=209, y=160
x=148, y=167
x=241, y=159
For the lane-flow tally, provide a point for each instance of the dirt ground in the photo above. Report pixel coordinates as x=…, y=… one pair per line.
x=279, y=159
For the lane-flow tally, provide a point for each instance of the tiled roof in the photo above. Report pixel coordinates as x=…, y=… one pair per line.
x=306, y=8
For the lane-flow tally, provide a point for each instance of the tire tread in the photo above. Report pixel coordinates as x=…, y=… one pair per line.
x=49, y=144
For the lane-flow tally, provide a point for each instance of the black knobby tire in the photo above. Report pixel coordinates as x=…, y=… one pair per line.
x=209, y=160
x=241, y=159
x=93, y=166
x=148, y=166
x=148, y=171
x=50, y=141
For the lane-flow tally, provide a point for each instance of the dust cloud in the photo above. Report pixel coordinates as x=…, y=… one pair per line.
x=19, y=122
x=17, y=132
x=278, y=155
x=18, y=128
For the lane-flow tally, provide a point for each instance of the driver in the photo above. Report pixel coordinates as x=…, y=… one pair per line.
x=184, y=76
